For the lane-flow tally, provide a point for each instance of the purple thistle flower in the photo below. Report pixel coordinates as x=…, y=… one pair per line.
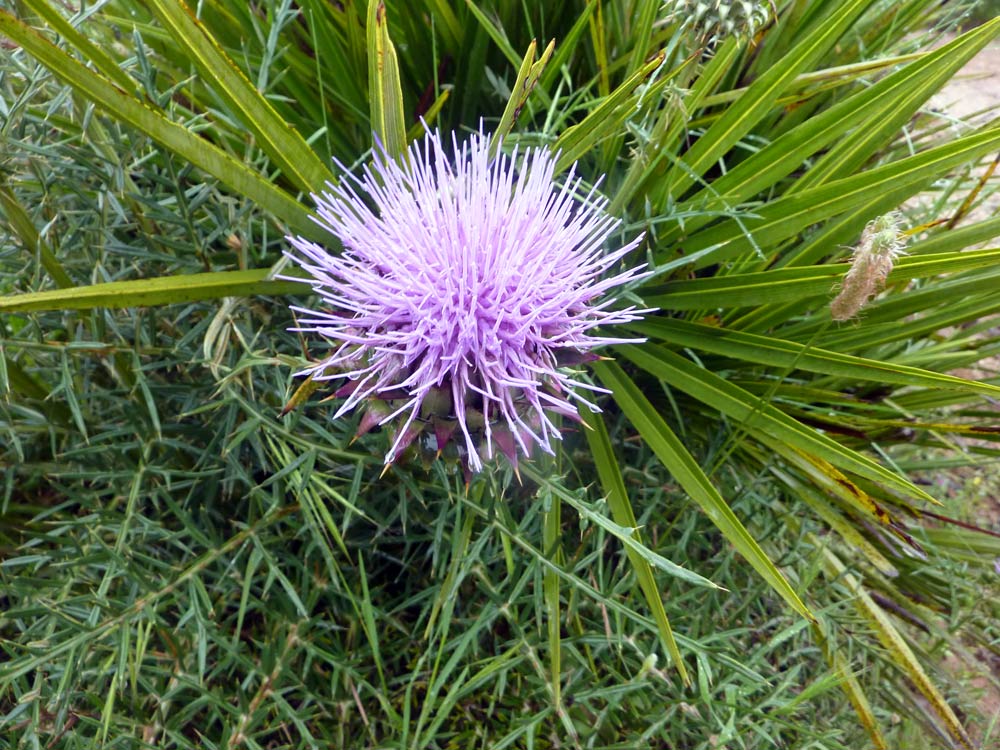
x=467, y=282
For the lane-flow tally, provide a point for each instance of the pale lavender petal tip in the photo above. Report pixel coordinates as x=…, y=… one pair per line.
x=468, y=277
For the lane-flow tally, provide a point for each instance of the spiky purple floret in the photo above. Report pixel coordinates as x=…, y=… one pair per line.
x=468, y=275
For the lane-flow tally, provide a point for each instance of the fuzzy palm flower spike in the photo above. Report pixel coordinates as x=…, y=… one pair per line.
x=467, y=285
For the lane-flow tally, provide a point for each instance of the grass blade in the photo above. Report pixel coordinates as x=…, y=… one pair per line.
x=23, y=227
x=737, y=403
x=760, y=98
x=551, y=531
x=769, y=350
x=527, y=79
x=175, y=137
x=163, y=290
x=675, y=457
x=281, y=142
x=384, y=89
x=621, y=510
x=800, y=282
x=895, y=643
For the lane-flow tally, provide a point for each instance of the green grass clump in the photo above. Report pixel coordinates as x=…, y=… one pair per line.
x=741, y=551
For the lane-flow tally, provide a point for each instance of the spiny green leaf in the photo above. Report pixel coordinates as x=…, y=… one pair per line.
x=92, y=52
x=604, y=119
x=895, y=643
x=864, y=121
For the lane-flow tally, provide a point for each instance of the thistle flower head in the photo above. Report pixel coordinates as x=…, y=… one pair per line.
x=715, y=20
x=467, y=284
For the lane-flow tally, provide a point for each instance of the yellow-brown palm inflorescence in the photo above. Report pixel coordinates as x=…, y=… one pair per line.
x=880, y=245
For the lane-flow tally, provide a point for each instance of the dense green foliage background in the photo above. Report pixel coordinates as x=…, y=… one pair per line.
x=184, y=565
